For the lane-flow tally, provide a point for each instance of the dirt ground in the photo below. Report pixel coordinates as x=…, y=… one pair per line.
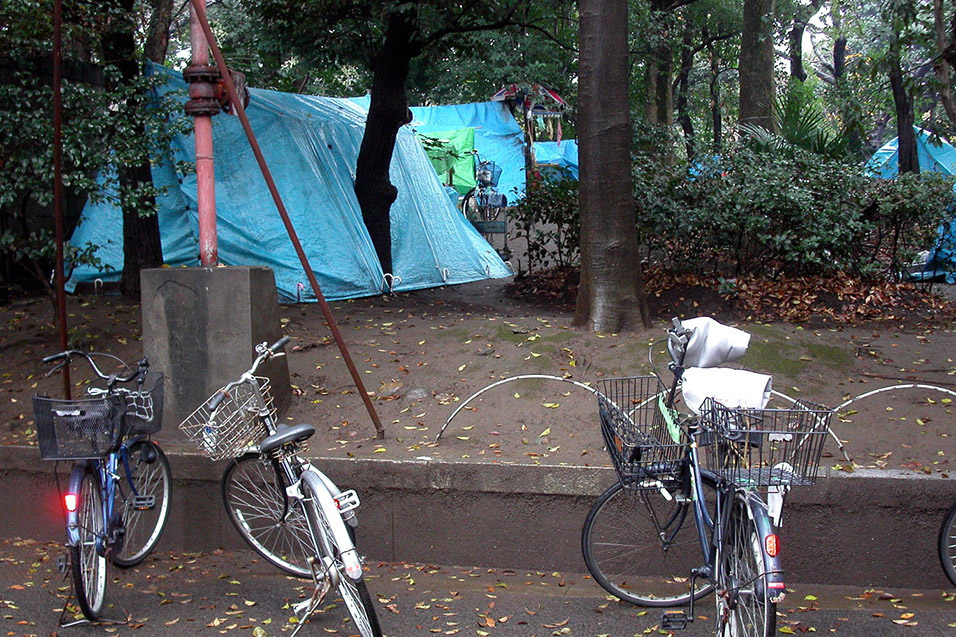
x=423, y=355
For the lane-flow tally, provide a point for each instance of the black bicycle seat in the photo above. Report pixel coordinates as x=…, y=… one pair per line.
x=285, y=434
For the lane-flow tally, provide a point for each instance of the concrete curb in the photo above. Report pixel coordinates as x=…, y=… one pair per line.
x=869, y=528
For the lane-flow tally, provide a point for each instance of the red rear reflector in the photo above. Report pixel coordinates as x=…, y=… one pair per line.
x=69, y=500
x=772, y=544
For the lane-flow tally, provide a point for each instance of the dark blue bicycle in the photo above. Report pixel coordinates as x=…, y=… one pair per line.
x=117, y=500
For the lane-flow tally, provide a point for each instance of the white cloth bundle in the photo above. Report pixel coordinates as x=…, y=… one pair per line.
x=734, y=388
x=712, y=343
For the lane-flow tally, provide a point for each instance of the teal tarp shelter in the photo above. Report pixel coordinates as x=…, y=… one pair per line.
x=498, y=137
x=563, y=155
x=934, y=156
x=311, y=145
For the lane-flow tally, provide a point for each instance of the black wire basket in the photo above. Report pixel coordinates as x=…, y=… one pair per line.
x=144, y=405
x=645, y=446
x=488, y=173
x=761, y=448
x=78, y=429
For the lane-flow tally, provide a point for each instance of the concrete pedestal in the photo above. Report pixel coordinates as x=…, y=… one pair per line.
x=200, y=326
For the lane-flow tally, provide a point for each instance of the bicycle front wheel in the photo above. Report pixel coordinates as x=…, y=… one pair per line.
x=640, y=546
x=86, y=556
x=947, y=545
x=254, y=492
x=336, y=543
x=744, y=608
x=143, y=498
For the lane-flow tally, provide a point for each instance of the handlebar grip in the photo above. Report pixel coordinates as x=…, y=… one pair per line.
x=279, y=344
x=54, y=357
x=216, y=400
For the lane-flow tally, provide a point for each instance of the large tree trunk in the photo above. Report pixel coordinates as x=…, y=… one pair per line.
x=941, y=66
x=157, y=35
x=756, y=64
x=715, y=113
x=142, y=247
x=683, y=87
x=611, y=293
x=908, y=160
x=388, y=112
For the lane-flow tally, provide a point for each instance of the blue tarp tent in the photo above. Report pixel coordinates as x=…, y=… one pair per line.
x=563, y=154
x=939, y=157
x=311, y=145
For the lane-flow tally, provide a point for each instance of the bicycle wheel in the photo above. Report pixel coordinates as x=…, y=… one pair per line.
x=143, y=498
x=253, y=490
x=469, y=205
x=86, y=556
x=947, y=545
x=743, y=603
x=354, y=593
x=640, y=546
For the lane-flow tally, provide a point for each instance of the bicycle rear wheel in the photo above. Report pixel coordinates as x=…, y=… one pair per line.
x=947, y=545
x=146, y=509
x=744, y=608
x=253, y=490
x=640, y=546
x=86, y=556
x=338, y=538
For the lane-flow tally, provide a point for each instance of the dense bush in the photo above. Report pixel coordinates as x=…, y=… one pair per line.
x=792, y=213
x=546, y=216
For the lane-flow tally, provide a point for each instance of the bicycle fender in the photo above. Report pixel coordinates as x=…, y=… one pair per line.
x=349, y=555
x=773, y=568
x=73, y=486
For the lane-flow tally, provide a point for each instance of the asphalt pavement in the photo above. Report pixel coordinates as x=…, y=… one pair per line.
x=234, y=593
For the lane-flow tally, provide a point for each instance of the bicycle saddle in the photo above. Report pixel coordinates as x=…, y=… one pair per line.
x=285, y=434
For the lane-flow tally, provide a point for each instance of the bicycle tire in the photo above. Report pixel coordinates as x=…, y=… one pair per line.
x=947, y=544
x=645, y=571
x=254, y=493
x=354, y=593
x=469, y=205
x=88, y=563
x=744, y=608
x=143, y=522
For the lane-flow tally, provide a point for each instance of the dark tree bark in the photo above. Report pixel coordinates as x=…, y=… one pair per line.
x=611, y=292
x=683, y=86
x=715, y=100
x=388, y=112
x=157, y=35
x=908, y=160
x=142, y=247
x=795, y=37
x=756, y=64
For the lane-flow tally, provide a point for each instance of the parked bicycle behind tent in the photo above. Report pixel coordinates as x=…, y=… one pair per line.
x=117, y=499
x=483, y=205
x=283, y=506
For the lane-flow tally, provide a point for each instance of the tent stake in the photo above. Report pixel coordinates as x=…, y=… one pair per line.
x=236, y=102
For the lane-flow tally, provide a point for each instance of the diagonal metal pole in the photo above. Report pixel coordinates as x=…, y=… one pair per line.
x=59, y=273
x=236, y=102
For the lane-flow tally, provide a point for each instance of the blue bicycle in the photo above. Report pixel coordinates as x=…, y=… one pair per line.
x=117, y=500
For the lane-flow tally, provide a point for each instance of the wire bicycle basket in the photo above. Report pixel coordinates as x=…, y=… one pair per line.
x=235, y=423
x=487, y=174
x=144, y=405
x=82, y=429
x=761, y=448
x=645, y=443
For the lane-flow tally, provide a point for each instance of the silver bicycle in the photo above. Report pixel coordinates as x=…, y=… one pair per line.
x=283, y=506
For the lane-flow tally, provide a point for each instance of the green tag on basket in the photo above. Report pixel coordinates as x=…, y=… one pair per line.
x=670, y=417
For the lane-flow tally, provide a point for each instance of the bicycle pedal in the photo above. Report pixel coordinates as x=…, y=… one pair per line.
x=674, y=620
x=144, y=502
x=62, y=563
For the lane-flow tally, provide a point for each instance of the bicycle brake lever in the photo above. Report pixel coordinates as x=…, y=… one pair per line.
x=56, y=367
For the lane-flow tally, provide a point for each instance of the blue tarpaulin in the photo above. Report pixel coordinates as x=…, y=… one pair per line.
x=934, y=156
x=310, y=145
x=562, y=155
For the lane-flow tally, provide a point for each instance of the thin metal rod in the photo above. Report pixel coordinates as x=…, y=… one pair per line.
x=59, y=281
x=236, y=103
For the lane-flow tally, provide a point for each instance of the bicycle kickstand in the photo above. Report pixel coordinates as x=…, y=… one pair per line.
x=304, y=609
x=679, y=618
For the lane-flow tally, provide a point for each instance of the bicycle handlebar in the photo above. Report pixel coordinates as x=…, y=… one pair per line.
x=264, y=352
x=112, y=379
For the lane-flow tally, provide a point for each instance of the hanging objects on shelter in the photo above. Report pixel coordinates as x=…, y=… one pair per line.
x=542, y=109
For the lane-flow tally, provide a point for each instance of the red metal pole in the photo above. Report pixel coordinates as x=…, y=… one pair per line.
x=58, y=187
x=236, y=103
x=205, y=167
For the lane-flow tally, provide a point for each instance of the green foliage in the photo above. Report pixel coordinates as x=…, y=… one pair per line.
x=547, y=218
x=795, y=214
